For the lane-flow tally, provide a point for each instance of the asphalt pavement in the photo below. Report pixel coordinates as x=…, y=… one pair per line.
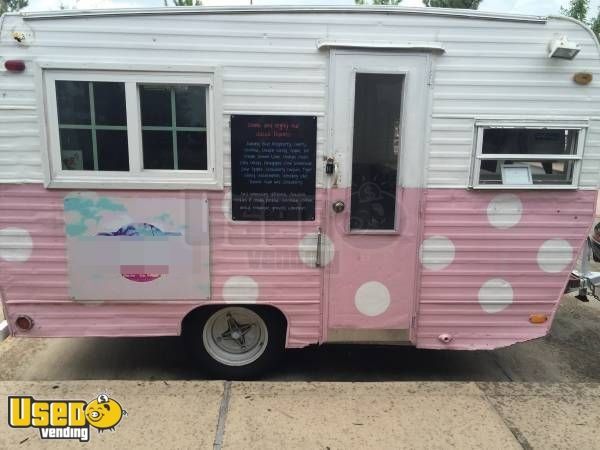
x=540, y=394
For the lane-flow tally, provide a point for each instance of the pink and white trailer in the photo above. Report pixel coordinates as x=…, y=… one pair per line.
x=259, y=178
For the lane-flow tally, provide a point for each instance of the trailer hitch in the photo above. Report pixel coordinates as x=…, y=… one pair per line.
x=587, y=280
x=586, y=288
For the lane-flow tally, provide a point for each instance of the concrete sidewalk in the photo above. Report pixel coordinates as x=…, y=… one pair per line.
x=265, y=415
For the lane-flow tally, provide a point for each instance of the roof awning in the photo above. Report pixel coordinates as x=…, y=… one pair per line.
x=431, y=47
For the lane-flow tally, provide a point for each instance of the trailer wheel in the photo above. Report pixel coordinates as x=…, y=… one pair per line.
x=235, y=342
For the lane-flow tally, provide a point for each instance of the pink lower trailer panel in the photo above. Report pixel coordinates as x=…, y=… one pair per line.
x=474, y=270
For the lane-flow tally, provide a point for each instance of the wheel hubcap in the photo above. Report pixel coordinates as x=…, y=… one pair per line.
x=235, y=336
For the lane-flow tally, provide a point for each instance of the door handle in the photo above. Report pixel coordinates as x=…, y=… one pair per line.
x=338, y=206
x=318, y=258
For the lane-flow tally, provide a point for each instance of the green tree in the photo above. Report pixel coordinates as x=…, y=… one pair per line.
x=185, y=3
x=462, y=4
x=380, y=2
x=12, y=5
x=595, y=25
x=577, y=9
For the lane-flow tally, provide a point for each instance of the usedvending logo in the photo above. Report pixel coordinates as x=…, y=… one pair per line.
x=64, y=419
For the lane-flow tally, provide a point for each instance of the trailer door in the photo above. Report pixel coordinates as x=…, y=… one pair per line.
x=378, y=107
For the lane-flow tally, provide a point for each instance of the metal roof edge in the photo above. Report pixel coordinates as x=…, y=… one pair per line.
x=581, y=24
x=191, y=10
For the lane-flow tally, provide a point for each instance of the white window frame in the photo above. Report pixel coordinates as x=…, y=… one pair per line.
x=137, y=177
x=481, y=126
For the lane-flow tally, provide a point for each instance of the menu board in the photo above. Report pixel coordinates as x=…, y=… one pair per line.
x=273, y=167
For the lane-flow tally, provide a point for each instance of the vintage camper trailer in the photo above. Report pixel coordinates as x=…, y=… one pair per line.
x=260, y=178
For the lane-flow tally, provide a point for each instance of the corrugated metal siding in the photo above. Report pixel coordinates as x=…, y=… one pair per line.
x=449, y=298
x=270, y=63
x=43, y=278
x=20, y=155
x=39, y=287
x=590, y=170
x=506, y=73
x=268, y=253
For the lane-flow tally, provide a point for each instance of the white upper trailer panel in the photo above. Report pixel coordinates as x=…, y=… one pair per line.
x=484, y=67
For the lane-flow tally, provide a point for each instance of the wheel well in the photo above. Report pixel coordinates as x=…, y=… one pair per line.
x=203, y=311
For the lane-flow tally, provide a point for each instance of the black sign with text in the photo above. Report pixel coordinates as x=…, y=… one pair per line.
x=273, y=167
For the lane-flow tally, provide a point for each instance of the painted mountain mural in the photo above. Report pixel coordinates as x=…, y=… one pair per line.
x=139, y=229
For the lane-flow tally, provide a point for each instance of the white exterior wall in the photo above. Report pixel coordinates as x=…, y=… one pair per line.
x=269, y=63
x=505, y=73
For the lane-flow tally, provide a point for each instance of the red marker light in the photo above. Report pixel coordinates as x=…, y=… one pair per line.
x=14, y=65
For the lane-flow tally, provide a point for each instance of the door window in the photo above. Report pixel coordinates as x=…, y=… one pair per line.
x=376, y=146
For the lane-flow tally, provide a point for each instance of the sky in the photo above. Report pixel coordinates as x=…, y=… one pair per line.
x=536, y=7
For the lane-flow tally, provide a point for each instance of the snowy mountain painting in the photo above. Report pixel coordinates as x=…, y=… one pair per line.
x=136, y=248
x=139, y=229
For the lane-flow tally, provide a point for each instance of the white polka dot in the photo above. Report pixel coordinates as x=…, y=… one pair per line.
x=372, y=299
x=16, y=244
x=226, y=206
x=495, y=295
x=307, y=249
x=504, y=211
x=436, y=252
x=240, y=289
x=555, y=255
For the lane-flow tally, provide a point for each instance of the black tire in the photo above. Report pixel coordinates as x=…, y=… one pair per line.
x=197, y=331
